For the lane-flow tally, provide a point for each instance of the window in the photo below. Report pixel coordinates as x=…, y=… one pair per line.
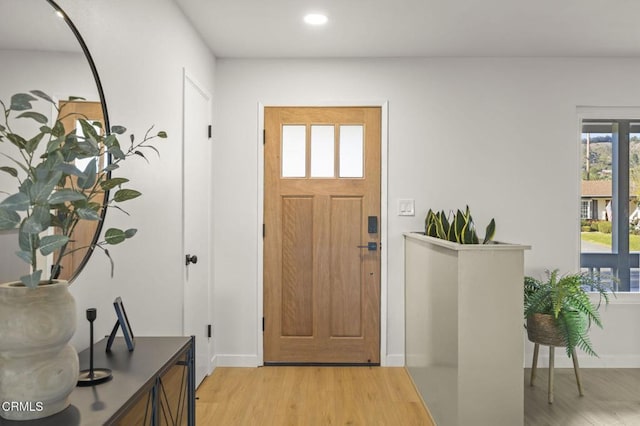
x=585, y=209
x=610, y=189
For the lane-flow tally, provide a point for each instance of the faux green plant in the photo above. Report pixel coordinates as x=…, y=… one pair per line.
x=565, y=297
x=53, y=195
x=457, y=227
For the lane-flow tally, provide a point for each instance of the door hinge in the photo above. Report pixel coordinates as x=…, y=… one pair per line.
x=262, y=323
x=264, y=136
x=209, y=131
x=209, y=330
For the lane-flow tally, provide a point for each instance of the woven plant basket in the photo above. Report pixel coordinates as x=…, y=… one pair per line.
x=542, y=329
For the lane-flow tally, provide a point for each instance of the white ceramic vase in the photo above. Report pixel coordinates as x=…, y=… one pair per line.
x=38, y=366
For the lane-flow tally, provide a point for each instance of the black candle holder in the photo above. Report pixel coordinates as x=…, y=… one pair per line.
x=93, y=376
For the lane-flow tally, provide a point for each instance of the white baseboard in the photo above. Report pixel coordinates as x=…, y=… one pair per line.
x=394, y=360
x=236, y=361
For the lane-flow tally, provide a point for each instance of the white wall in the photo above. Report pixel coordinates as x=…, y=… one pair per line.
x=497, y=134
x=140, y=49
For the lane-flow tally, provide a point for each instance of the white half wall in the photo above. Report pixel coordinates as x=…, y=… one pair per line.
x=500, y=135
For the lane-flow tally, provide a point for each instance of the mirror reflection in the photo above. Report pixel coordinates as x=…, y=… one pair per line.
x=39, y=51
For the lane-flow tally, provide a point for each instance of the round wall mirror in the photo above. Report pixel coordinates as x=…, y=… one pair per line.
x=41, y=49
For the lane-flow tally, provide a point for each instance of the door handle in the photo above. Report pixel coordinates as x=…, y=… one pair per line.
x=371, y=246
x=190, y=259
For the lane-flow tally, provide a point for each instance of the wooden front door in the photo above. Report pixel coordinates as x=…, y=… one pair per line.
x=322, y=235
x=83, y=234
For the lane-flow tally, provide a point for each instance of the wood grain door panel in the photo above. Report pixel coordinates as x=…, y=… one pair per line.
x=321, y=291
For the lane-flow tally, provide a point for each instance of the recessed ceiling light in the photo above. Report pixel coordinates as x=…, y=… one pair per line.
x=315, y=19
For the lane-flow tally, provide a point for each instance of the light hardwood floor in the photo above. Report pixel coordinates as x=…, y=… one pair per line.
x=611, y=398
x=310, y=396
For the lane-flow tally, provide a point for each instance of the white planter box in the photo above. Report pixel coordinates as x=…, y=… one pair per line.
x=463, y=335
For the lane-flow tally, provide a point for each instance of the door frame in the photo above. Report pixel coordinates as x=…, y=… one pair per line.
x=384, y=162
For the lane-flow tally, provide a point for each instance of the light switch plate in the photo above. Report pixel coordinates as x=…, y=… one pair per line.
x=406, y=208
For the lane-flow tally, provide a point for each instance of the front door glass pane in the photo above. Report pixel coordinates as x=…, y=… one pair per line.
x=351, y=151
x=322, y=151
x=294, y=153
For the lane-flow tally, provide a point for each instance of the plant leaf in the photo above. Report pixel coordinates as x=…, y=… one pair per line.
x=32, y=280
x=24, y=255
x=87, y=213
x=90, y=175
x=130, y=232
x=28, y=242
x=491, y=230
x=9, y=219
x=51, y=243
x=41, y=190
x=66, y=194
x=38, y=221
x=162, y=134
x=126, y=194
x=22, y=101
x=118, y=130
x=114, y=236
x=112, y=183
x=40, y=118
x=41, y=94
x=13, y=172
x=16, y=202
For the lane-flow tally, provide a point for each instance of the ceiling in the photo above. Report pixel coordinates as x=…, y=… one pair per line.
x=416, y=28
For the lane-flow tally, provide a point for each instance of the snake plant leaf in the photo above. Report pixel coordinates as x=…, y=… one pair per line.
x=9, y=219
x=22, y=101
x=38, y=221
x=51, y=243
x=66, y=194
x=126, y=194
x=32, y=280
x=491, y=230
x=446, y=226
x=12, y=171
x=40, y=118
x=16, y=202
x=459, y=226
x=90, y=175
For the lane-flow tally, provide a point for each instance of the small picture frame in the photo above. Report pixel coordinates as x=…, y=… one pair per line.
x=121, y=322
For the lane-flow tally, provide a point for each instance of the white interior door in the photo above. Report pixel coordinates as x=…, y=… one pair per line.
x=197, y=226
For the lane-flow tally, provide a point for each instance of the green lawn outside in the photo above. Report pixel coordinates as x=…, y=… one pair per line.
x=605, y=239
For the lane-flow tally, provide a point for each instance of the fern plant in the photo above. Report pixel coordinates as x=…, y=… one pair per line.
x=565, y=297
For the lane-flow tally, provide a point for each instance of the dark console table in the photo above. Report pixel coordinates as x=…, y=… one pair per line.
x=153, y=385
